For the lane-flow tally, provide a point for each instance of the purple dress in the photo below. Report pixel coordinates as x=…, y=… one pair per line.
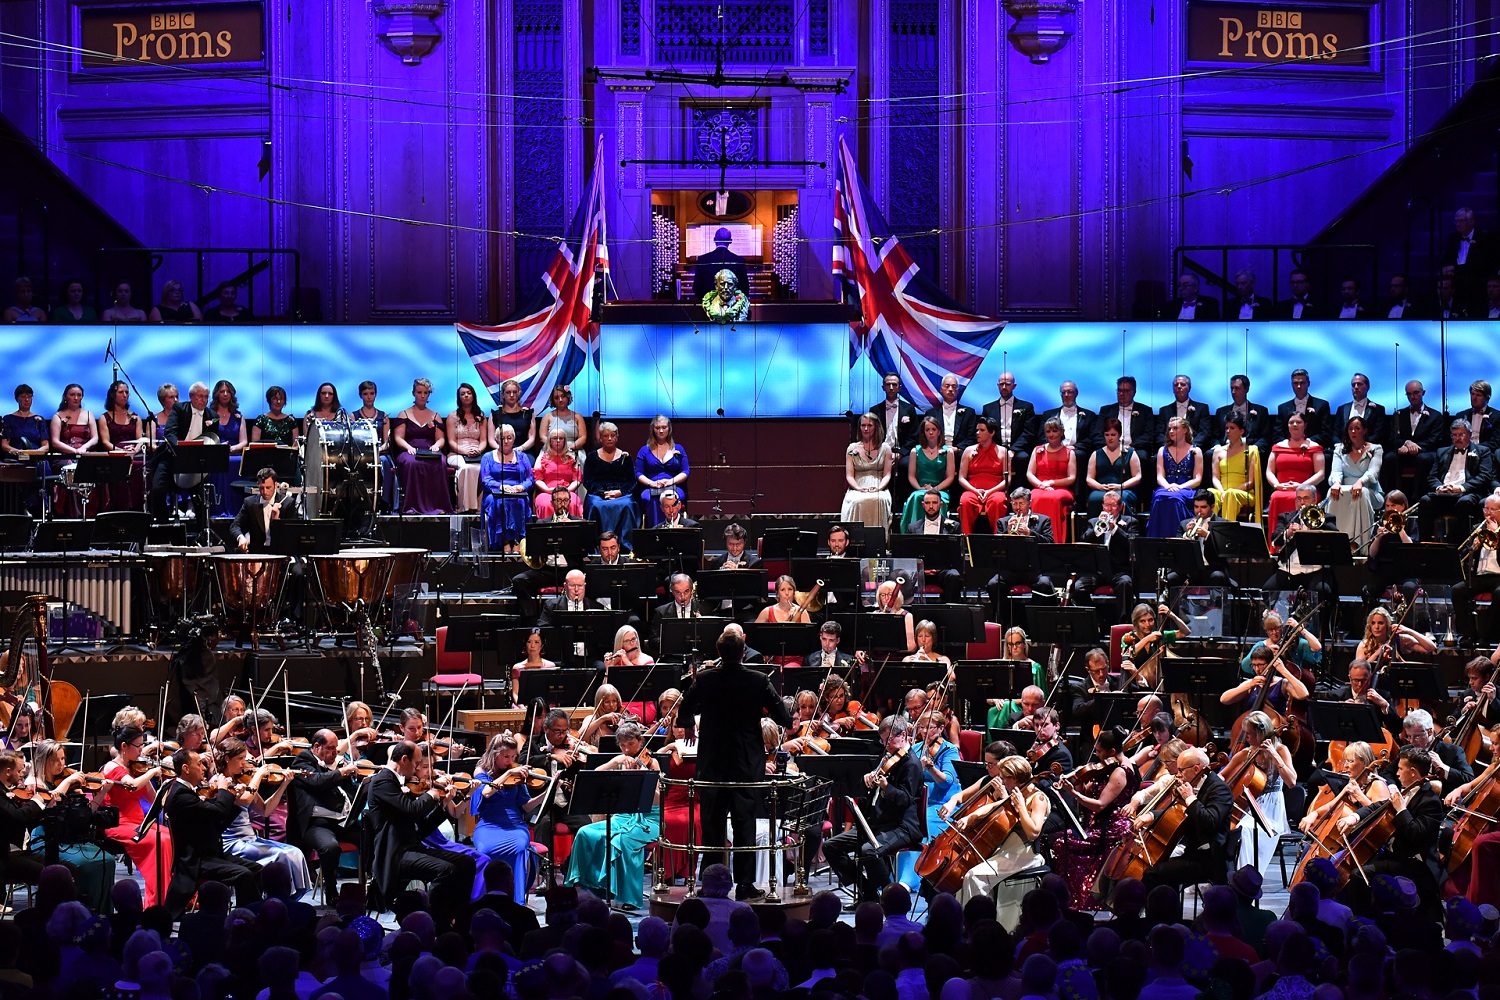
x=424, y=481
x=647, y=464
x=1080, y=858
x=227, y=499
x=131, y=494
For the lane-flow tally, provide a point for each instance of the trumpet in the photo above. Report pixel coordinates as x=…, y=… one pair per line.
x=1191, y=531
x=1013, y=524
x=1311, y=516
x=1107, y=522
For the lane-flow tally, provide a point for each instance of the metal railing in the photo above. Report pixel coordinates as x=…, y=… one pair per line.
x=1284, y=257
x=146, y=261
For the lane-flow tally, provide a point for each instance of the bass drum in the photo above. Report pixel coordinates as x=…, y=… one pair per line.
x=342, y=461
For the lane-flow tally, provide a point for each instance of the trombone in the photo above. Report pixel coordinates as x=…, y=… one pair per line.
x=1311, y=516
x=1487, y=534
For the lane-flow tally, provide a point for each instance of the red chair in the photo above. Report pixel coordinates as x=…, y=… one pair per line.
x=455, y=673
x=989, y=649
x=971, y=744
x=1116, y=633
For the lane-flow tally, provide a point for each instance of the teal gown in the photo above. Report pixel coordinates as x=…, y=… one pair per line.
x=928, y=471
x=629, y=835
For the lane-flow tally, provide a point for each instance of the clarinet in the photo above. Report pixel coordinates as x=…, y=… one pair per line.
x=366, y=630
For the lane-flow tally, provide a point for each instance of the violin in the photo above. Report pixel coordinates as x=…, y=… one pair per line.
x=863, y=721
x=141, y=765
x=536, y=779
x=91, y=782
x=817, y=744
x=1039, y=750
x=887, y=764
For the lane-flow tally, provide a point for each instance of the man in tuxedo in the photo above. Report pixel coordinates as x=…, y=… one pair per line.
x=252, y=525
x=956, y=420
x=1137, y=422
x=682, y=605
x=932, y=522
x=1291, y=572
x=527, y=585
x=1081, y=690
x=1209, y=803
x=1195, y=412
x=828, y=653
x=1013, y=416
x=1256, y=419
x=1377, y=422
x=728, y=703
x=1080, y=424
x=1483, y=575
x=1400, y=305
x=18, y=817
x=1482, y=421
x=1413, y=850
x=322, y=798
x=1471, y=254
x=1449, y=765
x=895, y=819
x=189, y=421
x=396, y=822
x=1021, y=523
x=1210, y=570
x=575, y=587
x=1490, y=308
x=1189, y=306
x=716, y=260
x=1315, y=412
x=1113, y=529
x=1244, y=304
x=1350, y=306
x=197, y=826
x=609, y=552
x=673, y=512
x=736, y=554
x=1462, y=475
x=1384, y=548
x=1300, y=305
x=1417, y=432
x=1447, y=305
x=899, y=418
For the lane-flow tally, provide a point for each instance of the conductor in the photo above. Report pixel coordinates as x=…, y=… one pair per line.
x=729, y=700
x=716, y=260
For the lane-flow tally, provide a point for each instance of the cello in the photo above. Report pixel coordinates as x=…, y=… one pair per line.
x=1145, y=846
x=1475, y=813
x=1335, y=807
x=1467, y=734
x=1369, y=836
x=975, y=834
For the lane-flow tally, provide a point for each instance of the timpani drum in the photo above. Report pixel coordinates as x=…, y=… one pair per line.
x=175, y=573
x=351, y=577
x=251, y=582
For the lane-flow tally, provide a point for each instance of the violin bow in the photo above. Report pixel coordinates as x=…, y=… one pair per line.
x=83, y=732
x=392, y=704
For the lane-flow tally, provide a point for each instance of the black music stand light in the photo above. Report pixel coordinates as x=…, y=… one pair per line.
x=1337, y=720
x=900, y=676
x=842, y=578
x=788, y=543
x=1014, y=552
x=1199, y=678
x=625, y=793
x=301, y=537
x=261, y=455
x=936, y=551
x=1021, y=739
x=1080, y=558
x=1069, y=627
x=680, y=549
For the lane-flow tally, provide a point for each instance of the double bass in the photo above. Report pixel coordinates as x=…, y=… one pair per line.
x=973, y=835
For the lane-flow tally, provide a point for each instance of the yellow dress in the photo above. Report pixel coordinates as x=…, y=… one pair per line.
x=1241, y=477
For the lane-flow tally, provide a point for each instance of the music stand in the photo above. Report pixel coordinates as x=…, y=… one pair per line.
x=1431, y=562
x=121, y=529
x=846, y=772
x=789, y=544
x=1117, y=708
x=958, y=624
x=1073, y=558
x=1175, y=555
x=625, y=793
x=15, y=532
x=594, y=629
x=571, y=539
x=1338, y=720
x=1017, y=553
x=63, y=535
x=805, y=678
x=899, y=676
x=936, y=551
x=873, y=631
x=419, y=533
x=691, y=638
x=102, y=468
x=841, y=578
x=282, y=459
x=620, y=584
x=1414, y=681
x=1021, y=739
x=979, y=680
x=970, y=771
x=681, y=549
x=560, y=686
x=299, y=537
x=1319, y=548
x=640, y=684
x=794, y=639
x=1069, y=627
x=737, y=586
x=1238, y=541
x=192, y=458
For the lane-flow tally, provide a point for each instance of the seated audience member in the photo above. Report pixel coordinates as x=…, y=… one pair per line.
x=1350, y=306
x=1300, y=305
x=418, y=442
x=121, y=311
x=660, y=465
x=468, y=434
x=1189, y=305
x=609, y=486
x=1244, y=304
x=24, y=308
x=174, y=307
x=1113, y=467
x=227, y=309
x=1399, y=304
x=73, y=308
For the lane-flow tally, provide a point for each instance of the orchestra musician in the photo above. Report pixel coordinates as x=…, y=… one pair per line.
x=240, y=839
x=18, y=816
x=1359, y=691
x=1274, y=759
x=1478, y=879
x=889, y=600
x=807, y=725
x=322, y=799
x=1291, y=572
x=500, y=803
x=1305, y=653
x=1023, y=523
x=50, y=781
x=786, y=608
x=557, y=752
x=132, y=794
x=616, y=865
x=1006, y=774
x=1384, y=549
x=728, y=701
x=608, y=714
x=1412, y=849
x=1159, y=766
x=684, y=602
x=573, y=598
x=1113, y=529
x=1081, y=690
x=1286, y=680
x=1358, y=768
x=397, y=819
x=1110, y=785
x=252, y=525
x=1142, y=640
x=1208, y=802
x=1386, y=638
x=627, y=650
x=894, y=819
x=197, y=826
x=359, y=730
x=736, y=554
x=926, y=633
x=1480, y=672
x=673, y=511
x=1482, y=563
x=1445, y=762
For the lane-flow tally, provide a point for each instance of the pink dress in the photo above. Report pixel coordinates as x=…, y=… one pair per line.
x=551, y=472
x=1292, y=465
x=1054, y=503
x=142, y=853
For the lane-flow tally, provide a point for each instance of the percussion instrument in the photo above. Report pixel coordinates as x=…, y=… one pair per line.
x=251, y=585
x=406, y=573
x=353, y=576
x=101, y=581
x=175, y=572
x=335, y=454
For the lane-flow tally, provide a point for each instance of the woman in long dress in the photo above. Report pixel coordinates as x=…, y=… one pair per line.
x=1236, y=475
x=121, y=431
x=468, y=431
x=609, y=486
x=419, y=441
x=1006, y=777
x=133, y=795
x=682, y=820
x=1179, y=470
x=1080, y=858
x=867, y=470
x=522, y=419
x=1053, y=468
x=95, y=865
x=1297, y=461
x=1258, y=846
x=1112, y=468
x=500, y=828
x=232, y=430
x=74, y=431
x=1354, y=492
x=660, y=464
x=617, y=865
x=932, y=465
x=505, y=479
x=240, y=839
x=557, y=467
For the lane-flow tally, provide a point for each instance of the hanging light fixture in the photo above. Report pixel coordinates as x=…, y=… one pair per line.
x=1042, y=27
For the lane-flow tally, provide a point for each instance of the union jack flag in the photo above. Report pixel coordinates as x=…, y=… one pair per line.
x=546, y=341
x=908, y=326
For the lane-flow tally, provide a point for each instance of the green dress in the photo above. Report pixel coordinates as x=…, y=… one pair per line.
x=628, y=836
x=276, y=431
x=1008, y=713
x=929, y=470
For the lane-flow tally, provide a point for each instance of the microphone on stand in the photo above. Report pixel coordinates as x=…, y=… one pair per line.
x=107, y=348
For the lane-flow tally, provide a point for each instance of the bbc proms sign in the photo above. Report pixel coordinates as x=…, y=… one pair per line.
x=1278, y=34
x=142, y=36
